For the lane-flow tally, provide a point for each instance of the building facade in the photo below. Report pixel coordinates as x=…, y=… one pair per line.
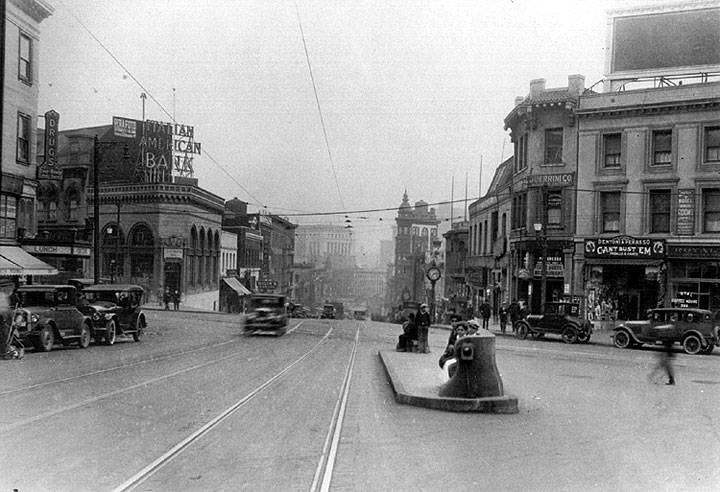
x=415, y=240
x=321, y=244
x=543, y=129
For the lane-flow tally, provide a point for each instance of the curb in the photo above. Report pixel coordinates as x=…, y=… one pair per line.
x=496, y=404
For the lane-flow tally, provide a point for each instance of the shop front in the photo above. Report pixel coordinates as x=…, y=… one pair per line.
x=624, y=277
x=693, y=276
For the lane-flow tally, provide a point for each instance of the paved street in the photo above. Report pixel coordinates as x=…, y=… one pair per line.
x=589, y=419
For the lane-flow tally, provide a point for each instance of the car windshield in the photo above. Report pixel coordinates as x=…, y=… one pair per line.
x=108, y=296
x=37, y=298
x=268, y=302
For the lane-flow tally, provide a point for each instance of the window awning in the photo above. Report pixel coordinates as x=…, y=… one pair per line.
x=16, y=261
x=235, y=285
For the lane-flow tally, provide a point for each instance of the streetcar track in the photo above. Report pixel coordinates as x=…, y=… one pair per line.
x=125, y=366
x=326, y=463
x=146, y=472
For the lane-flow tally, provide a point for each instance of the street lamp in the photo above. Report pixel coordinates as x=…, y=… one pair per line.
x=541, y=235
x=97, y=145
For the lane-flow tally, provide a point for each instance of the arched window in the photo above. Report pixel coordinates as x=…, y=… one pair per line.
x=113, y=240
x=142, y=253
x=201, y=254
x=192, y=257
x=216, y=253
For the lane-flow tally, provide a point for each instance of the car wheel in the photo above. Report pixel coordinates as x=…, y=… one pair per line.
x=622, y=339
x=569, y=335
x=110, y=333
x=522, y=331
x=139, y=330
x=708, y=350
x=46, y=339
x=692, y=344
x=583, y=337
x=85, y=336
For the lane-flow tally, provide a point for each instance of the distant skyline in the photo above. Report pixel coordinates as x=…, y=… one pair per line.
x=330, y=107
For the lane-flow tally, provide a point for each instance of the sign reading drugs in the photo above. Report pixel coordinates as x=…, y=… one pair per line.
x=49, y=169
x=625, y=247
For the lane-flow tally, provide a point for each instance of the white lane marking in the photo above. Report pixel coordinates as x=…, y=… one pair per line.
x=150, y=469
x=296, y=327
x=114, y=368
x=328, y=457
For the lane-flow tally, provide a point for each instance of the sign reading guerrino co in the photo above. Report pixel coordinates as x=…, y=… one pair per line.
x=551, y=180
x=625, y=247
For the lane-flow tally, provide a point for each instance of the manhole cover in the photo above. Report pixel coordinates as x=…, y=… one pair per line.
x=704, y=382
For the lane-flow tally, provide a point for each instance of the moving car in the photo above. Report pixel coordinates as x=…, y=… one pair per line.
x=115, y=309
x=267, y=315
x=695, y=329
x=47, y=314
x=558, y=318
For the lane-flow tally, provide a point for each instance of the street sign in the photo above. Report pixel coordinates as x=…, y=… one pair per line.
x=267, y=284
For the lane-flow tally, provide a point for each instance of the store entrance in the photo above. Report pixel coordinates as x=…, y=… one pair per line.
x=172, y=276
x=623, y=292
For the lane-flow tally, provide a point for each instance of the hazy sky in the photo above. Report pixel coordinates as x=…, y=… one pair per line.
x=412, y=93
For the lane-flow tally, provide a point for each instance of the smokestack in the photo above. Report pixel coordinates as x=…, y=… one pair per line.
x=576, y=84
x=536, y=87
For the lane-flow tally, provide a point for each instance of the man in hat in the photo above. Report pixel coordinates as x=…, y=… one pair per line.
x=423, y=323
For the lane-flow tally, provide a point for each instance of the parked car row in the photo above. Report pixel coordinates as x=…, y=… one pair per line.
x=696, y=330
x=46, y=315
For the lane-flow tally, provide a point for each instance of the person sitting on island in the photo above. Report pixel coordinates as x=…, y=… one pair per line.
x=459, y=330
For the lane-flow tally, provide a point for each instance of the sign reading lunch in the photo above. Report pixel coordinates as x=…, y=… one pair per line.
x=625, y=247
x=166, y=149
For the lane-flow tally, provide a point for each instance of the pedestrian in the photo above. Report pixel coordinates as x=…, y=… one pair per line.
x=423, y=324
x=458, y=331
x=524, y=311
x=166, y=298
x=514, y=313
x=503, y=317
x=406, y=340
x=176, y=299
x=485, y=314
x=160, y=297
x=665, y=363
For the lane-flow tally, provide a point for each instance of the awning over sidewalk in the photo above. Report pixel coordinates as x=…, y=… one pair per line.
x=235, y=285
x=16, y=261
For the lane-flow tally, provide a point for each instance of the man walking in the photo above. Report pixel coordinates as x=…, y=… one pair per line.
x=485, y=314
x=423, y=324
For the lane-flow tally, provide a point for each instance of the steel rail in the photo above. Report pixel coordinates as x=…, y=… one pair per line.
x=145, y=473
x=326, y=463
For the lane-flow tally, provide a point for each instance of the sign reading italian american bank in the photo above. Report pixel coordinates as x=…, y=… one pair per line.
x=625, y=247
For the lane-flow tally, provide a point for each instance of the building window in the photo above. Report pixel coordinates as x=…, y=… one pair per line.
x=25, y=59
x=8, y=216
x=519, y=212
x=662, y=147
x=659, y=211
x=23, y=138
x=611, y=150
x=711, y=209
x=610, y=211
x=712, y=144
x=521, y=153
x=553, y=145
x=553, y=206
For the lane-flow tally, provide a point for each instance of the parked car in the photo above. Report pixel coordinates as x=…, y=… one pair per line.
x=328, y=312
x=47, y=314
x=115, y=309
x=267, y=315
x=695, y=329
x=558, y=318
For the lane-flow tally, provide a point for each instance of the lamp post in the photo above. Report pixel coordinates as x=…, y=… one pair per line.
x=541, y=234
x=96, y=202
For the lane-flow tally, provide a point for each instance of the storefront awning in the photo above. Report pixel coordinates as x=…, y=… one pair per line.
x=15, y=261
x=235, y=285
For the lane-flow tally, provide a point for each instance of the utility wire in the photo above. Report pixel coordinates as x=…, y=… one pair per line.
x=317, y=101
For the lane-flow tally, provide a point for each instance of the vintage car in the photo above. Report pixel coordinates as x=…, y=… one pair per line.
x=115, y=309
x=328, y=312
x=47, y=314
x=695, y=329
x=267, y=315
x=559, y=318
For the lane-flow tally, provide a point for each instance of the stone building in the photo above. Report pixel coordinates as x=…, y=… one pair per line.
x=19, y=164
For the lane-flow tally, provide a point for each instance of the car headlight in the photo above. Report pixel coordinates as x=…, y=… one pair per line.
x=96, y=316
x=34, y=318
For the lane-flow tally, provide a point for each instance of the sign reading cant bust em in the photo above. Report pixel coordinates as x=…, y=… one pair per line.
x=625, y=247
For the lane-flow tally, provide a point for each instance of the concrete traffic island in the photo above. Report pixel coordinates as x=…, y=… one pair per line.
x=475, y=386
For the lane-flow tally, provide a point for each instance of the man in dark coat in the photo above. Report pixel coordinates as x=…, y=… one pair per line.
x=423, y=324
